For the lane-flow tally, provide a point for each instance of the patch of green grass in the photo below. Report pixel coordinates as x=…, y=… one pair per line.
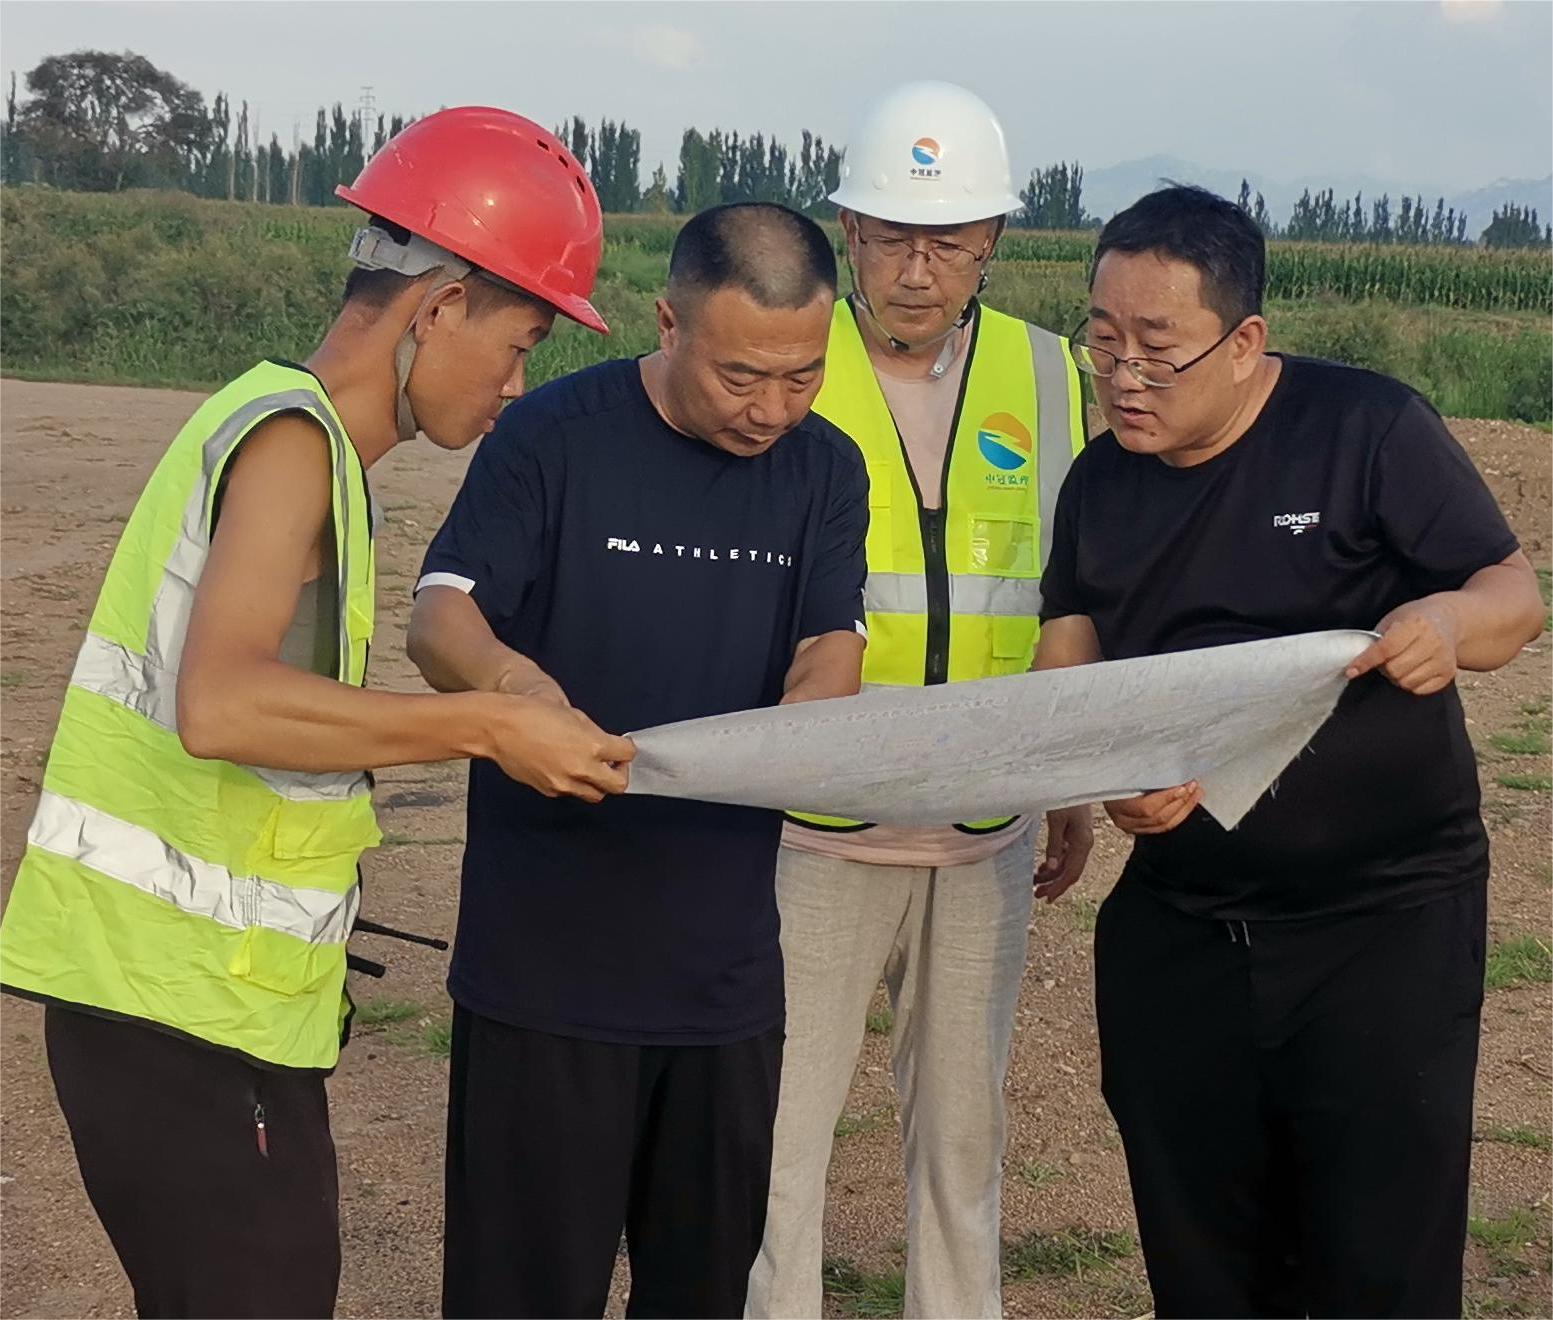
x=1083, y=912
x=1491, y=1304
x=1070, y=1252
x=850, y=1124
x=1035, y=1175
x=1518, y=962
x=386, y=1012
x=431, y=1036
x=437, y=1038
x=882, y=1022
x=1526, y=783
x=1125, y=1297
x=1504, y=1238
x=861, y=1293
x=1528, y=740
x=1520, y=1134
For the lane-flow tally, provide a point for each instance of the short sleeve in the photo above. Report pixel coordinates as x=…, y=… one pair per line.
x=493, y=541
x=833, y=594
x=1433, y=508
x=1059, y=579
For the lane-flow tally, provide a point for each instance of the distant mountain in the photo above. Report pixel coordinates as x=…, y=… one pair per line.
x=1109, y=189
x=1481, y=203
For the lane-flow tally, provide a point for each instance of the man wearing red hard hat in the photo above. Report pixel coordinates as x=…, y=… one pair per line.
x=191, y=878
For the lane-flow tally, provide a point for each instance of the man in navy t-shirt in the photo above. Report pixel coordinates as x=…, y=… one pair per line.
x=1288, y=1011
x=645, y=541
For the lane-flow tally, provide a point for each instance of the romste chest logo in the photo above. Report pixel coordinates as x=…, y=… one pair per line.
x=1006, y=445
x=925, y=153
x=1297, y=524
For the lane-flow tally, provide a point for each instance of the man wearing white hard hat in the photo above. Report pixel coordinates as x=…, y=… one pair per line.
x=968, y=421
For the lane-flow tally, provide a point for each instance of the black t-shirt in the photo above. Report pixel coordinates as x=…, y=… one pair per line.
x=655, y=578
x=1346, y=498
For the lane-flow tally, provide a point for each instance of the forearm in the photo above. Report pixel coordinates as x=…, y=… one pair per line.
x=264, y=712
x=453, y=646
x=830, y=665
x=1495, y=613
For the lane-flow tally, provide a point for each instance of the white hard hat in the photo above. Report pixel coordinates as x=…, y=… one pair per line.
x=927, y=153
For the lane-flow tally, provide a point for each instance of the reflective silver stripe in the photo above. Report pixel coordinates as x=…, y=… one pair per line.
x=181, y=574
x=302, y=786
x=1055, y=379
x=895, y=593
x=969, y=593
x=131, y=680
x=977, y=593
x=136, y=683
x=137, y=857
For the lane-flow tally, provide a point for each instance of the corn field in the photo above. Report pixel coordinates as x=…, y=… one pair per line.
x=166, y=288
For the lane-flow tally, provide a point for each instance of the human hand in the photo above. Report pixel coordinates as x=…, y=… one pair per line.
x=1070, y=834
x=557, y=750
x=1416, y=649
x=1155, y=813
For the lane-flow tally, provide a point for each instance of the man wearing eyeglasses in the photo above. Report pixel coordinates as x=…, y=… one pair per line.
x=1288, y=1012
x=968, y=421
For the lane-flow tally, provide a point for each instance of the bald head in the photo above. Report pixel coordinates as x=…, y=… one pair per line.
x=779, y=259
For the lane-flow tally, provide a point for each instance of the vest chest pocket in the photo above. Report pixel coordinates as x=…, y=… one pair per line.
x=1004, y=546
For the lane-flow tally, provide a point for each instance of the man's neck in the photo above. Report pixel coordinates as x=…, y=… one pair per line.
x=653, y=368
x=357, y=372
x=1241, y=420
x=908, y=363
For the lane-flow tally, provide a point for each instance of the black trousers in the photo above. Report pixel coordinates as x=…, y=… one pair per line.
x=1295, y=1099
x=208, y=1219
x=555, y=1145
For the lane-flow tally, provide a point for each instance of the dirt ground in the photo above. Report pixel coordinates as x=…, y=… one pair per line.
x=74, y=458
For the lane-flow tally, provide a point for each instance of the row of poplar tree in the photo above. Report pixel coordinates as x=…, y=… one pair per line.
x=99, y=121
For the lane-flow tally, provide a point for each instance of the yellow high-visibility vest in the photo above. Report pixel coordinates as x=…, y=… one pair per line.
x=204, y=896
x=954, y=593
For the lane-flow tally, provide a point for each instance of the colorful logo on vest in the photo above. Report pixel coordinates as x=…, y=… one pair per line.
x=1004, y=442
x=925, y=151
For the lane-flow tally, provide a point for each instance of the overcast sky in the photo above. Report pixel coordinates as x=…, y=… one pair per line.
x=1443, y=94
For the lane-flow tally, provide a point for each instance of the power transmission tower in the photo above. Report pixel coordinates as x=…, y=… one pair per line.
x=367, y=113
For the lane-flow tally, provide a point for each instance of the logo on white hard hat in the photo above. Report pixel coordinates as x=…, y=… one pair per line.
x=925, y=152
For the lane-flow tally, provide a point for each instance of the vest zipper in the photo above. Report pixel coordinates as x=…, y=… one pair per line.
x=936, y=561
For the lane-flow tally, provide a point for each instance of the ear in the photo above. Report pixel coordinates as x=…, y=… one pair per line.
x=445, y=308
x=1247, y=345
x=668, y=326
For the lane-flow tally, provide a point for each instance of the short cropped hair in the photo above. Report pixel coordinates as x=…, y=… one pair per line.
x=1204, y=230
x=779, y=258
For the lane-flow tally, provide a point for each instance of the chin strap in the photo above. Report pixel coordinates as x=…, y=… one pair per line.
x=949, y=337
x=375, y=249
x=947, y=354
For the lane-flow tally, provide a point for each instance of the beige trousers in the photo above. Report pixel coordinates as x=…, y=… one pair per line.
x=950, y=943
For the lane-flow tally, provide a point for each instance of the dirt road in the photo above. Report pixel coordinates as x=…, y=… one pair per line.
x=74, y=458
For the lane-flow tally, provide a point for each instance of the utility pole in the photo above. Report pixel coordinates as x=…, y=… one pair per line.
x=367, y=113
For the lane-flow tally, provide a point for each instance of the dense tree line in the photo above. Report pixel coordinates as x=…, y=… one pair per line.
x=102, y=122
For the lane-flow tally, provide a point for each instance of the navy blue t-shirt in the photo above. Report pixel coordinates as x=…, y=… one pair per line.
x=655, y=578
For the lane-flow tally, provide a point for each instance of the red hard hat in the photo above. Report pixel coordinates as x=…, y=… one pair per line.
x=497, y=190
